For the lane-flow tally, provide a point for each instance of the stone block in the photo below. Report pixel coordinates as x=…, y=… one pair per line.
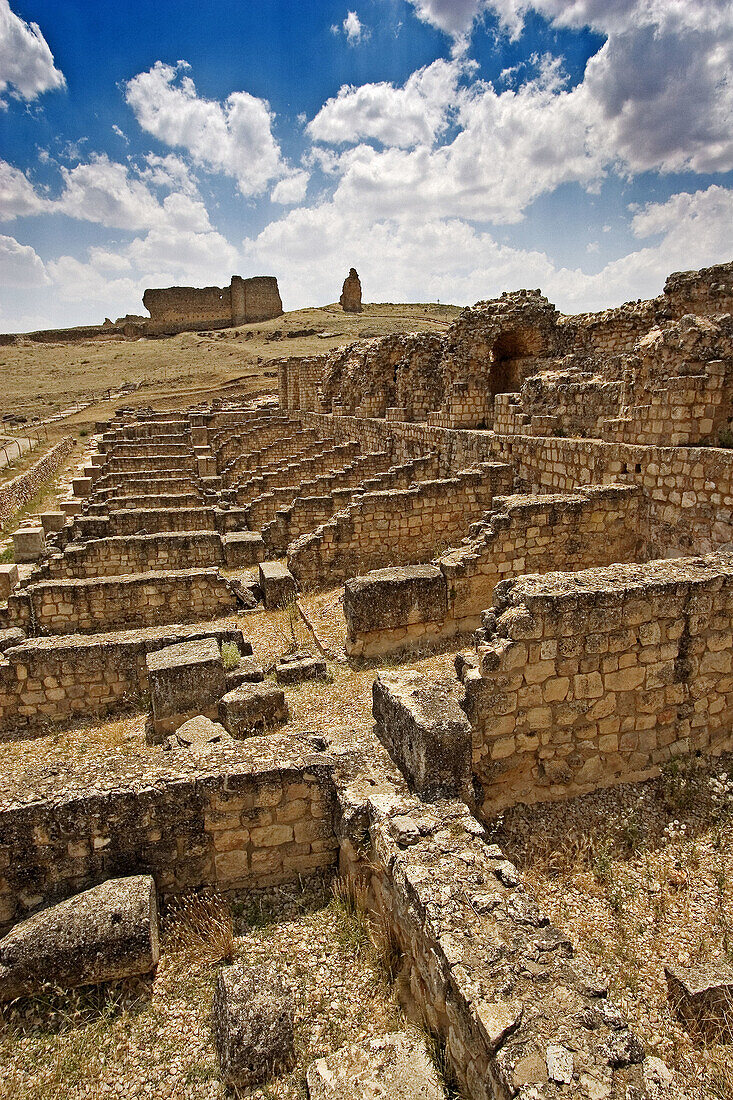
x=29, y=544
x=246, y=672
x=82, y=486
x=71, y=507
x=185, y=680
x=251, y=708
x=701, y=996
x=102, y=934
x=8, y=580
x=277, y=584
x=421, y=724
x=52, y=521
x=388, y=598
x=198, y=734
x=300, y=667
x=396, y=1065
x=252, y=1020
x=242, y=548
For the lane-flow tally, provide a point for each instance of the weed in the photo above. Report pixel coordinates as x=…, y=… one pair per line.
x=602, y=860
x=201, y=926
x=680, y=782
x=230, y=655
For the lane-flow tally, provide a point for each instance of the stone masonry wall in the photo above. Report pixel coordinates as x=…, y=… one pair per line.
x=589, y=679
x=99, y=604
x=689, y=490
x=20, y=490
x=394, y=527
x=240, y=820
x=522, y=534
x=54, y=678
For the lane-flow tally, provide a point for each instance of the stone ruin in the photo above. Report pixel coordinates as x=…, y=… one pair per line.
x=181, y=308
x=550, y=496
x=178, y=309
x=350, y=300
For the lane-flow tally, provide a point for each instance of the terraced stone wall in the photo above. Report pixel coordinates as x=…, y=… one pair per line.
x=397, y=526
x=399, y=609
x=100, y=604
x=588, y=679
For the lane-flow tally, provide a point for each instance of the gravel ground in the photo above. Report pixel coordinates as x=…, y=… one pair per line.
x=640, y=876
x=153, y=1039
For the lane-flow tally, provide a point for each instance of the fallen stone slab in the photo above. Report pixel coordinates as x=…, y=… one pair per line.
x=421, y=724
x=185, y=680
x=103, y=934
x=198, y=733
x=248, y=594
x=702, y=995
x=294, y=670
x=252, y=1020
x=277, y=583
x=395, y=1066
x=252, y=707
x=246, y=672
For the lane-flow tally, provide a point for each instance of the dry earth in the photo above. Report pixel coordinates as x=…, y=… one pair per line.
x=39, y=379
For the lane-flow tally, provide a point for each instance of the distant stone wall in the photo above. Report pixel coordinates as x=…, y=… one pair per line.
x=178, y=308
x=588, y=679
x=98, y=604
x=239, y=822
x=395, y=609
x=397, y=526
x=20, y=490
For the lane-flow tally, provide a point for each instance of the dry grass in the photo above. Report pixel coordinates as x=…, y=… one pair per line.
x=640, y=876
x=202, y=928
x=44, y=378
x=154, y=1040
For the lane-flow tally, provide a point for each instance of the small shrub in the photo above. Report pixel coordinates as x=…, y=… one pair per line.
x=680, y=780
x=201, y=925
x=725, y=438
x=230, y=655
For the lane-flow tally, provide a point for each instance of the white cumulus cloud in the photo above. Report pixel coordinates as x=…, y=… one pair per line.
x=20, y=265
x=411, y=115
x=26, y=62
x=18, y=197
x=234, y=137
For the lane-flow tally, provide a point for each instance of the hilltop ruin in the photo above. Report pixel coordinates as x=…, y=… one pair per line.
x=545, y=500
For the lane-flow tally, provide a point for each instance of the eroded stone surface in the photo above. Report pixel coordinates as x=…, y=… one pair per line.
x=252, y=1019
x=393, y=1066
x=105, y=933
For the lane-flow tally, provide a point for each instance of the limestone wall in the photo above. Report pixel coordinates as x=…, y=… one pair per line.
x=481, y=967
x=56, y=678
x=111, y=557
x=398, y=610
x=20, y=490
x=239, y=822
x=100, y=604
x=588, y=679
x=394, y=527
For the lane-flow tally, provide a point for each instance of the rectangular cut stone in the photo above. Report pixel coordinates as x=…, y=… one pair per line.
x=29, y=544
x=420, y=723
x=185, y=680
x=277, y=583
x=242, y=548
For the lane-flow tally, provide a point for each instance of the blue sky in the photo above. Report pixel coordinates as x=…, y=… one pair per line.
x=448, y=149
